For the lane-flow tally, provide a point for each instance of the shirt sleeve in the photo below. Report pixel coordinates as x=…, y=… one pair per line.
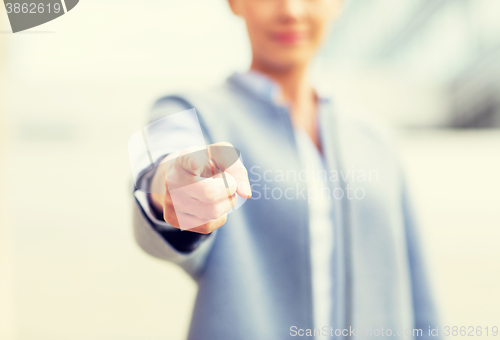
x=142, y=200
x=173, y=128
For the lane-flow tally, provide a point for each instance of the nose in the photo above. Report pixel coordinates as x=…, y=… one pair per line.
x=291, y=10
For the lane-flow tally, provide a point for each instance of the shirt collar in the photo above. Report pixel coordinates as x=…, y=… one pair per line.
x=267, y=89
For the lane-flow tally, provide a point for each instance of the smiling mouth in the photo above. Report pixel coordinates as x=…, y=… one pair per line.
x=289, y=38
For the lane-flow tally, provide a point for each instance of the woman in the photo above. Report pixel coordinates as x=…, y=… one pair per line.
x=326, y=244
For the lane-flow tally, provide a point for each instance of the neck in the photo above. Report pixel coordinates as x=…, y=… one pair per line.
x=293, y=82
x=298, y=92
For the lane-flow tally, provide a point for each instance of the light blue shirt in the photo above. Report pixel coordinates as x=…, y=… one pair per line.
x=320, y=208
x=320, y=227
x=259, y=275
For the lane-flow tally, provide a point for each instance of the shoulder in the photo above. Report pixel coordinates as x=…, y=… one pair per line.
x=214, y=107
x=206, y=99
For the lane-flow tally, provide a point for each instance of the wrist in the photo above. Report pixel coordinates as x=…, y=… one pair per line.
x=156, y=206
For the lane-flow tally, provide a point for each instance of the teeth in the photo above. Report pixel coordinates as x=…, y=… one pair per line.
x=24, y=14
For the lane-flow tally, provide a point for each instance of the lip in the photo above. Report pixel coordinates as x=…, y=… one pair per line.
x=289, y=38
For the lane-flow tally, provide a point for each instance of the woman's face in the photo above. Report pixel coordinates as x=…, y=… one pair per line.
x=285, y=33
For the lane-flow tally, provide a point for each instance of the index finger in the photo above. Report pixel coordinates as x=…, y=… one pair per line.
x=227, y=158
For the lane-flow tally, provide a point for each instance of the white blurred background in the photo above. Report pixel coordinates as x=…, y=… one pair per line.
x=74, y=90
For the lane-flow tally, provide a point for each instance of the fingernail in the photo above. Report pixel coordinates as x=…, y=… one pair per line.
x=247, y=189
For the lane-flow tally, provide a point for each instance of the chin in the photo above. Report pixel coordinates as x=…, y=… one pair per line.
x=278, y=59
x=290, y=60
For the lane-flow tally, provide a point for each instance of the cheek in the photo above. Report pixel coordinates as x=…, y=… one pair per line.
x=323, y=15
x=319, y=28
x=255, y=30
x=257, y=19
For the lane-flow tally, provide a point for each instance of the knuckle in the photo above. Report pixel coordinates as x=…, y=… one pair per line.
x=211, y=227
x=217, y=223
x=204, y=229
x=214, y=212
x=209, y=194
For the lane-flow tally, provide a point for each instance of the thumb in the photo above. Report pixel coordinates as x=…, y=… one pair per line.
x=196, y=161
x=227, y=158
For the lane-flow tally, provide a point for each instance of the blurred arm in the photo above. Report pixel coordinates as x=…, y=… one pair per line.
x=423, y=301
x=152, y=233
